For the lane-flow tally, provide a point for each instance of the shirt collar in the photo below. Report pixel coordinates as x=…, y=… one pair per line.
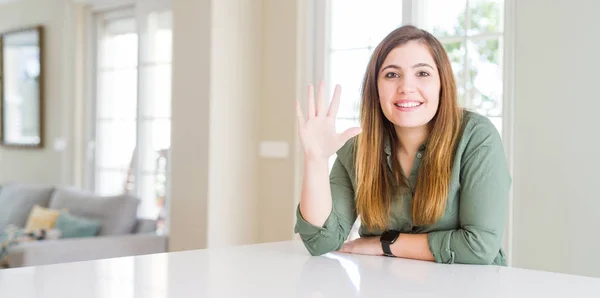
x=387, y=148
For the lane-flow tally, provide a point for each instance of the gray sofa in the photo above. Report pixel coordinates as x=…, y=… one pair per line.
x=121, y=233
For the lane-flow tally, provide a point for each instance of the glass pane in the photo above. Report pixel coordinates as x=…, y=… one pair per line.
x=346, y=32
x=157, y=38
x=456, y=54
x=497, y=121
x=360, y=24
x=118, y=44
x=155, y=90
x=443, y=18
x=485, y=76
x=486, y=16
x=155, y=136
x=152, y=194
x=115, y=142
x=342, y=124
x=110, y=183
x=117, y=94
x=385, y=16
x=347, y=68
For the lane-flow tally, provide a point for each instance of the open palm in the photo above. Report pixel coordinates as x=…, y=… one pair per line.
x=317, y=131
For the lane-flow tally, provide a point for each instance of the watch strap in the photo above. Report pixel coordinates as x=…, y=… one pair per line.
x=390, y=238
x=387, y=251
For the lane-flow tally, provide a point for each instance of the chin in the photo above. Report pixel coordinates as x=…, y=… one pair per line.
x=414, y=119
x=413, y=122
x=409, y=124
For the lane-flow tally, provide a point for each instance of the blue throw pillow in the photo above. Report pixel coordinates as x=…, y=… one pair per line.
x=76, y=227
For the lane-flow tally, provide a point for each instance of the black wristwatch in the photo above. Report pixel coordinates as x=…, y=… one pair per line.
x=388, y=238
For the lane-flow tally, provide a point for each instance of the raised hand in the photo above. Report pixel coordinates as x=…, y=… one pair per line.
x=317, y=131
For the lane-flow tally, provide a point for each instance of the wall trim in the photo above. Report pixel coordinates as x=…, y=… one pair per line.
x=508, y=106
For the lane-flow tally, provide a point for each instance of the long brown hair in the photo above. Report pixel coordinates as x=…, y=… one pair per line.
x=375, y=184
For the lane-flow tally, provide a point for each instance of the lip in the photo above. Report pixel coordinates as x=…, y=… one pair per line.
x=407, y=101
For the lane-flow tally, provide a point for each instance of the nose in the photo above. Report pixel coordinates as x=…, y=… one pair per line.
x=406, y=85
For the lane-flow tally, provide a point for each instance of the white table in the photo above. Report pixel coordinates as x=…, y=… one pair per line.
x=283, y=269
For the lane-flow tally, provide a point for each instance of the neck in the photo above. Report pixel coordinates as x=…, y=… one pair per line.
x=410, y=139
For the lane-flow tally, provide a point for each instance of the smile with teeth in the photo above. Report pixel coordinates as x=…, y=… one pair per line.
x=408, y=104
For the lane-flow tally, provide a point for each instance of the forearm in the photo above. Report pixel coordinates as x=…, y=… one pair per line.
x=466, y=246
x=408, y=246
x=315, y=200
x=412, y=246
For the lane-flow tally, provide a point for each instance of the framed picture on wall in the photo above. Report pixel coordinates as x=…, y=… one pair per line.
x=21, y=88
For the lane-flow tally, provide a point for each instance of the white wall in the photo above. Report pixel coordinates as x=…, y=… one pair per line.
x=277, y=118
x=190, y=124
x=217, y=91
x=236, y=91
x=557, y=146
x=46, y=165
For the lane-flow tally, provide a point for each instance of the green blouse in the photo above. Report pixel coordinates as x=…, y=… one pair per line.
x=471, y=230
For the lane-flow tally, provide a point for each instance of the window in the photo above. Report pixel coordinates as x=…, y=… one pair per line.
x=116, y=101
x=470, y=30
x=132, y=127
x=472, y=33
x=351, y=44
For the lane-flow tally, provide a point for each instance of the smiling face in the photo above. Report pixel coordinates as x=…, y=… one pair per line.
x=409, y=86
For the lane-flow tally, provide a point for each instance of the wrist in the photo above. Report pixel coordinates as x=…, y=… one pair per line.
x=387, y=239
x=379, y=249
x=310, y=158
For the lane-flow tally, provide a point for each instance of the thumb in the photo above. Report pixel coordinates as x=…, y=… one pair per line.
x=351, y=132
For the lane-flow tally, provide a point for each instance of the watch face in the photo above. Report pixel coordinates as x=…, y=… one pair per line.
x=389, y=236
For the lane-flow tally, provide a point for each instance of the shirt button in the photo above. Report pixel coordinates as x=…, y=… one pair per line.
x=419, y=155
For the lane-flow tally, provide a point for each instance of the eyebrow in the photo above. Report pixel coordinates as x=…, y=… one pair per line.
x=414, y=66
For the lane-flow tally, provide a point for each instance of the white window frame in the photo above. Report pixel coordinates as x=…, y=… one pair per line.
x=315, y=31
x=139, y=9
x=113, y=11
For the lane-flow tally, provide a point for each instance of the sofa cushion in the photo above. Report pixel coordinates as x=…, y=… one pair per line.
x=41, y=218
x=17, y=200
x=117, y=214
x=72, y=226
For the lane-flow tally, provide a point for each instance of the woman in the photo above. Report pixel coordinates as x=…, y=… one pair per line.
x=428, y=179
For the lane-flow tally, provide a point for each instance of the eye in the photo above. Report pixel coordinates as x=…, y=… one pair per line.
x=422, y=74
x=390, y=75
